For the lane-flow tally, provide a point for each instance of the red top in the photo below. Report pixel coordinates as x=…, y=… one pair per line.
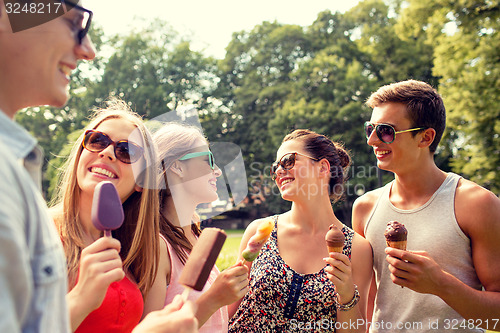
x=120, y=311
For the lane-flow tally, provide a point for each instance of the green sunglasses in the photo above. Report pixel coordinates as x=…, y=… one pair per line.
x=211, y=159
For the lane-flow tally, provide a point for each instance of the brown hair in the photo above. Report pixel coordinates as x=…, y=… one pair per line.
x=424, y=105
x=139, y=234
x=319, y=146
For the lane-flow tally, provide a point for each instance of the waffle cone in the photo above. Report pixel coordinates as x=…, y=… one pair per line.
x=401, y=245
x=335, y=249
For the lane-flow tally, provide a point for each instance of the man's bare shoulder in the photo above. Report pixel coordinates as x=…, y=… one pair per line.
x=362, y=208
x=368, y=200
x=475, y=203
x=473, y=196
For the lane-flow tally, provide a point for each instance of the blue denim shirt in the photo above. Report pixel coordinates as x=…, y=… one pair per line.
x=33, y=282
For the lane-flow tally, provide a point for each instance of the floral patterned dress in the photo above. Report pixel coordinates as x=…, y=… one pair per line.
x=282, y=300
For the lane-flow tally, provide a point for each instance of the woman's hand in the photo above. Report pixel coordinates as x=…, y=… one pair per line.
x=100, y=265
x=339, y=272
x=231, y=285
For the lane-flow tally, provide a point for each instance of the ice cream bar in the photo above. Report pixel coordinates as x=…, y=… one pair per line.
x=202, y=258
x=396, y=235
x=258, y=240
x=334, y=239
x=107, y=210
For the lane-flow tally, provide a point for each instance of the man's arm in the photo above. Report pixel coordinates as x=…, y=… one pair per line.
x=16, y=283
x=361, y=211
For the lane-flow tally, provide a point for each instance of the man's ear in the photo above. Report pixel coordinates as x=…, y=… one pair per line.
x=428, y=136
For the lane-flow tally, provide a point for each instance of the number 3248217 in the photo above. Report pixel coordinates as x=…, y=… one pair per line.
x=33, y=8
x=455, y=324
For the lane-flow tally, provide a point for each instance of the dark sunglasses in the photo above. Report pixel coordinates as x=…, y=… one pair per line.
x=125, y=151
x=386, y=133
x=84, y=20
x=211, y=159
x=286, y=162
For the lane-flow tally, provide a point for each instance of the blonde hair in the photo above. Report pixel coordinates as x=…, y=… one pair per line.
x=139, y=234
x=173, y=141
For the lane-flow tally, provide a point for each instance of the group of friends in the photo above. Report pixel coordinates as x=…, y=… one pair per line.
x=58, y=274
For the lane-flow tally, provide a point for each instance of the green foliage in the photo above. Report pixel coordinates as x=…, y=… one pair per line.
x=466, y=38
x=279, y=77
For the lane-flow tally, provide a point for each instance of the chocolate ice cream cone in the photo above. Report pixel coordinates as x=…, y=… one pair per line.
x=401, y=245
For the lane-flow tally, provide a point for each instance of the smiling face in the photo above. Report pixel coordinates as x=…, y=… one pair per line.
x=198, y=179
x=94, y=168
x=402, y=153
x=37, y=62
x=300, y=180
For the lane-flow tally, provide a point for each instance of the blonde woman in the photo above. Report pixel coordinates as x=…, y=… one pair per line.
x=109, y=277
x=188, y=178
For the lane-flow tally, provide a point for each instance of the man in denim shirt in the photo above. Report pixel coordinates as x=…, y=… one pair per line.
x=35, y=65
x=35, y=69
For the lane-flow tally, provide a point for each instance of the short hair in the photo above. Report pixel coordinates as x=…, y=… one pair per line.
x=424, y=105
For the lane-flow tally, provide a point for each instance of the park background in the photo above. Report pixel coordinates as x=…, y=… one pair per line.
x=276, y=77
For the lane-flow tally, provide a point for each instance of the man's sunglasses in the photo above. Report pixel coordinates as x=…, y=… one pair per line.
x=211, y=159
x=386, y=133
x=84, y=21
x=286, y=162
x=125, y=151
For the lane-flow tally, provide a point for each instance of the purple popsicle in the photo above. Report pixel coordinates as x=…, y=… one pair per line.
x=107, y=209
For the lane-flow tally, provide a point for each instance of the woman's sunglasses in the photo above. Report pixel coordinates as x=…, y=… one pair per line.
x=211, y=159
x=286, y=162
x=386, y=133
x=125, y=151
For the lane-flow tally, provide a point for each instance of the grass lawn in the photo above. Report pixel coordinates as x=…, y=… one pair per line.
x=229, y=252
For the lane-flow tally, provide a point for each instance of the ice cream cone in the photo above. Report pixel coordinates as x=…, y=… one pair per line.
x=401, y=245
x=334, y=239
x=337, y=249
x=396, y=235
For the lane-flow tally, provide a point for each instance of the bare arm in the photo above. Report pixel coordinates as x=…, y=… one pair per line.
x=249, y=232
x=155, y=300
x=176, y=317
x=345, y=273
x=362, y=209
x=229, y=287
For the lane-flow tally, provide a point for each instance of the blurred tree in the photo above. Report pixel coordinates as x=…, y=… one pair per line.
x=327, y=96
x=391, y=58
x=465, y=37
x=155, y=71
x=255, y=82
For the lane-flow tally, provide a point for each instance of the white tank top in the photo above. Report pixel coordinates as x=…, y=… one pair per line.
x=432, y=228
